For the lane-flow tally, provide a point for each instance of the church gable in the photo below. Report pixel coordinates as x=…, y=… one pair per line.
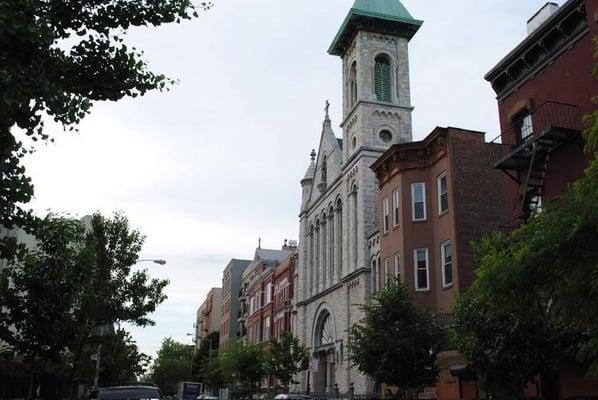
x=329, y=161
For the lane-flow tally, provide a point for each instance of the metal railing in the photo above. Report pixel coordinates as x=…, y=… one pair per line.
x=548, y=115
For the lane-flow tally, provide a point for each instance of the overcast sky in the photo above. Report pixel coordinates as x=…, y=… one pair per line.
x=208, y=167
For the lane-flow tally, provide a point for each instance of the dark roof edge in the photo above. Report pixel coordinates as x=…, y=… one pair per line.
x=490, y=75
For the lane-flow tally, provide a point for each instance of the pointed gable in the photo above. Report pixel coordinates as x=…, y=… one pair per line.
x=328, y=164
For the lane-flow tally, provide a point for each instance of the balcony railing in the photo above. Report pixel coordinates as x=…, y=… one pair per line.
x=556, y=121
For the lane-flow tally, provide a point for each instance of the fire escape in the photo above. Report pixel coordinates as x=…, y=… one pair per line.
x=528, y=146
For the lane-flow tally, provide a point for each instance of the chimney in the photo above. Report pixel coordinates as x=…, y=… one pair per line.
x=541, y=16
x=289, y=245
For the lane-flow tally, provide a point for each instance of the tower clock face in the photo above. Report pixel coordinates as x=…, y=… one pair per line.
x=385, y=136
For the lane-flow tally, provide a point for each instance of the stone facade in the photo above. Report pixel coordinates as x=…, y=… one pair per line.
x=338, y=211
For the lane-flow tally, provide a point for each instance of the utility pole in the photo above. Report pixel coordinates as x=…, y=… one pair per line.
x=96, y=379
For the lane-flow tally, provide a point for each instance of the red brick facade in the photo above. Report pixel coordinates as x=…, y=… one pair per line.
x=283, y=282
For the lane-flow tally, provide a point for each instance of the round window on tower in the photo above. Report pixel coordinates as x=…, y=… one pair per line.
x=385, y=136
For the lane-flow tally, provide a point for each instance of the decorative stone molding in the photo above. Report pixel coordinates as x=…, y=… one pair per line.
x=386, y=114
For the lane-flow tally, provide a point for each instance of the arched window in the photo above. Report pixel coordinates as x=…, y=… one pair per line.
x=339, y=238
x=317, y=257
x=331, y=244
x=310, y=259
x=382, y=79
x=374, y=275
x=355, y=229
x=353, y=84
x=324, y=251
x=324, y=169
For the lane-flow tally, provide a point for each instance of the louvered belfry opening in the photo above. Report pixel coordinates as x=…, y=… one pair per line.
x=382, y=85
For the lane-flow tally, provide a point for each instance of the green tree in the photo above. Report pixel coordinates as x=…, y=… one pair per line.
x=56, y=59
x=243, y=364
x=509, y=343
x=286, y=357
x=397, y=342
x=121, y=360
x=207, y=348
x=210, y=372
x=172, y=366
x=76, y=280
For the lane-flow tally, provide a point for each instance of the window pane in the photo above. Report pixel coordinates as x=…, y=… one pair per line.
x=443, y=202
x=422, y=279
x=418, y=192
x=419, y=210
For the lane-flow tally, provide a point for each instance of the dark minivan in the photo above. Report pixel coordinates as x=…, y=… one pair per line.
x=126, y=393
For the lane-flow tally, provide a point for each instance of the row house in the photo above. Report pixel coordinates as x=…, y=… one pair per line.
x=438, y=195
x=231, y=285
x=208, y=316
x=283, y=282
x=544, y=87
x=433, y=201
x=256, y=294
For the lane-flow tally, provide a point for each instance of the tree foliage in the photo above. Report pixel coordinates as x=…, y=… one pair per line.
x=286, y=357
x=77, y=279
x=56, y=59
x=243, y=364
x=172, y=366
x=205, y=362
x=397, y=342
x=121, y=360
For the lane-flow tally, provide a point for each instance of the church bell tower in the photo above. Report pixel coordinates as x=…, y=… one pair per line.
x=373, y=44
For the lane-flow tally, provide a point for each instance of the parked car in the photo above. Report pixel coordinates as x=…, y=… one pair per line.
x=284, y=396
x=126, y=393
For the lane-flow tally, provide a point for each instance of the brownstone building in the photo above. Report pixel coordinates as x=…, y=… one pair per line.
x=283, y=281
x=435, y=197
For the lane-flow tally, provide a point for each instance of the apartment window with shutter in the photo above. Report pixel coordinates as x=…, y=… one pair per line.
x=382, y=79
x=447, y=264
x=385, y=216
x=422, y=272
x=395, y=208
x=418, y=201
x=442, y=194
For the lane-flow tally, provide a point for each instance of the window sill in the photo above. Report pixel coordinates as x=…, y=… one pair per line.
x=422, y=290
x=419, y=221
x=447, y=287
x=396, y=227
x=442, y=214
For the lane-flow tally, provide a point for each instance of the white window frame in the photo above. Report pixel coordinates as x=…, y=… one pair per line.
x=527, y=126
x=415, y=269
x=443, y=264
x=398, y=266
x=439, y=187
x=395, y=208
x=268, y=294
x=386, y=270
x=385, y=215
x=423, y=186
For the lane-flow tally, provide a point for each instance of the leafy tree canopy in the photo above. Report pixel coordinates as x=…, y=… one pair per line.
x=172, y=366
x=77, y=279
x=56, y=59
x=397, y=342
x=243, y=364
x=286, y=357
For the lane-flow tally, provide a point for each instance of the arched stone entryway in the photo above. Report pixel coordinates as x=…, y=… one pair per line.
x=324, y=352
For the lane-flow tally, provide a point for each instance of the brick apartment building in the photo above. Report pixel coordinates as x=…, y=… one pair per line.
x=231, y=284
x=544, y=87
x=283, y=283
x=208, y=316
x=255, y=294
x=435, y=197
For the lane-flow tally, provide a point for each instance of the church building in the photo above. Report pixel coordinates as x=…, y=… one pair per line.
x=339, y=190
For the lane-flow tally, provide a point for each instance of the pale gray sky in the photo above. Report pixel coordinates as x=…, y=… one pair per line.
x=207, y=168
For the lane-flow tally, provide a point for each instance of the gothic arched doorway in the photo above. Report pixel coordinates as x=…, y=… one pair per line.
x=324, y=353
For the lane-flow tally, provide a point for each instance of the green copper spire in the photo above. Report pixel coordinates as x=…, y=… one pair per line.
x=381, y=16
